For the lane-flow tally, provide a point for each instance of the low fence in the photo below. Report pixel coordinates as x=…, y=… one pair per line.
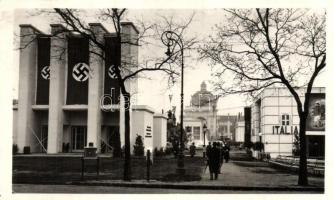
x=315, y=166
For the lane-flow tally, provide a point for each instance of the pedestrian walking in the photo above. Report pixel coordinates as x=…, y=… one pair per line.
x=192, y=150
x=208, y=148
x=226, y=152
x=221, y=156
x=214, y=161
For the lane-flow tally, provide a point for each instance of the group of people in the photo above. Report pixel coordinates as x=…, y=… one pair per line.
x=216, y=154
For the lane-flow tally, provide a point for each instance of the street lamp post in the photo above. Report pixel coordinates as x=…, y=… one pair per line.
x=171, y=39
x=204, y=132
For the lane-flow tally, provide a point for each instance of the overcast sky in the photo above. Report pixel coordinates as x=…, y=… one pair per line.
x=154, y=92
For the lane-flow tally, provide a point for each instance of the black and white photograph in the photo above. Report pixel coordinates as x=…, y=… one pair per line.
x=195, y=99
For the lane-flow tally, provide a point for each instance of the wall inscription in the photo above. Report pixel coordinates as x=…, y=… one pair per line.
x=285, y=130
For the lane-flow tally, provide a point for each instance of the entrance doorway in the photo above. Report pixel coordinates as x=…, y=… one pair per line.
x=78, y=137
x=316, y=146
x=113, y=141
x=44, y=138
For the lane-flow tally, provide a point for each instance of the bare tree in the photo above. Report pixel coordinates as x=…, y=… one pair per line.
x=259, y=48
x=125, y=69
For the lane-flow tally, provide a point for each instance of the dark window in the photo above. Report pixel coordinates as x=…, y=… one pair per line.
x=285, y=120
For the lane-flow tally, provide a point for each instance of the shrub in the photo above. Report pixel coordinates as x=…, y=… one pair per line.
x=138, y=148
x=15, y=149
x=295, y=151
x=26, y=150
x=155, y=151
x=159, y=153
x=168, y=150
x=248, y=144
x=66, y=147
x=258, y=146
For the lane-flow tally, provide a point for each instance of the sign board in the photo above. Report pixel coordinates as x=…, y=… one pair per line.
x=317, y=113
x=148, y=131
x=285, y=130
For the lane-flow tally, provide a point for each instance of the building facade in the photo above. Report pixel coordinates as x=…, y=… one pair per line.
x=275, y=121
x=240, y=129
x=227, y=127
x=69, y=96
x=200, y=118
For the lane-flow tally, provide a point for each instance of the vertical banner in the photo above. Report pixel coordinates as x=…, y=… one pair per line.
x=248, y=117
x=111, y=85
x=317, y=113
x=78, y=71
x=43, y=73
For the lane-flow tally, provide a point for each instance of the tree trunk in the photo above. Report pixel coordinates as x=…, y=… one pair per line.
x=302, y=179
x=127, y=156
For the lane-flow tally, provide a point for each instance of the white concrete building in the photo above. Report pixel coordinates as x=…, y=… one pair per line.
x=240, y=129
x=275, y=121
x=227, y=127
x=201, y=111
x=68, y=96
x=160, y=130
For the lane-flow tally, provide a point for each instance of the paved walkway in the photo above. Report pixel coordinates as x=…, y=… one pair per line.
x=235, y=175
x=256, y=174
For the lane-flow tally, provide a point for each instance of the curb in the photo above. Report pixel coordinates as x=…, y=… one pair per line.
x=201, y=187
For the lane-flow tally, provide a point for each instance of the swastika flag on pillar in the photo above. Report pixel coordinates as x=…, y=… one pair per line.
x=43, y=70
x=77, y=71
x=112, y=58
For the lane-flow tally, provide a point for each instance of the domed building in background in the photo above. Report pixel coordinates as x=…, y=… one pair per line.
x=203, y=97
x=200, y=117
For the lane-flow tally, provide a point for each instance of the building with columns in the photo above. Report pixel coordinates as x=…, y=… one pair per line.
x=69, y=96
x=227, y=127
x=240, y=129
x=199, y=114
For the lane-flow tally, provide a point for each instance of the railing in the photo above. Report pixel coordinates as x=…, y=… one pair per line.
x=314, y=165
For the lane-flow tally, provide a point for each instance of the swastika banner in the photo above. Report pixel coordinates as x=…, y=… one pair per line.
x=43, y=70
x=78, y=71
x=112, y=57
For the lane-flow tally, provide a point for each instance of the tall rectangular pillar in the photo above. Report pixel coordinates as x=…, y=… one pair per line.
x=95, y=87
x=248, y=119
x=129, y=60
x=57, y=88
x=27, y=89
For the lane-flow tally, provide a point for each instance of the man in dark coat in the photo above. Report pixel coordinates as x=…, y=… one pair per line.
x=192, y=150
x=221, y=151
x=214, y=161
x=207, y=149
x=226, y=152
